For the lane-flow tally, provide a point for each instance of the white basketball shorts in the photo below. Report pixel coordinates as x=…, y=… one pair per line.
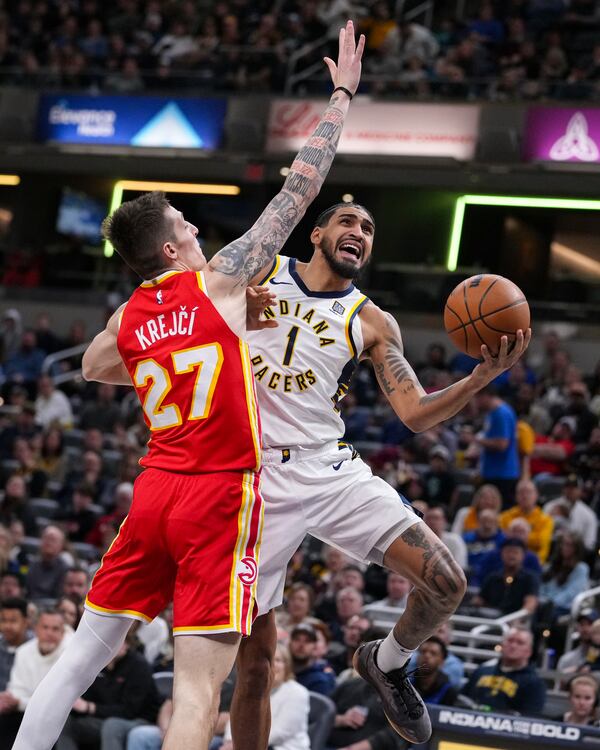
x=331, y=495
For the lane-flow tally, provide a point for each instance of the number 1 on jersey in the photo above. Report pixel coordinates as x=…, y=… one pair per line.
x=289, y=349
x=208, y=359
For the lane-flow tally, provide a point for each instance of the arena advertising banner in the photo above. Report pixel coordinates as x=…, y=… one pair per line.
x=562, y=134
x=148, y=121
x=380, y=128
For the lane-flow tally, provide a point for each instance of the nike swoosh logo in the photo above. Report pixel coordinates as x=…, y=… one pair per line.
x=337, y=467
x=289, y=283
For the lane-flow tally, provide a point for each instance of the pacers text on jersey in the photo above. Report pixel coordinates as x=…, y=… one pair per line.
x=177, y=323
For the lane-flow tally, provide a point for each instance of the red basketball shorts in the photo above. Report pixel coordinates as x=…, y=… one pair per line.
x=190, y=538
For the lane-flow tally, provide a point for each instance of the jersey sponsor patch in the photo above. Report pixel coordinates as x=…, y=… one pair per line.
x=338, y=308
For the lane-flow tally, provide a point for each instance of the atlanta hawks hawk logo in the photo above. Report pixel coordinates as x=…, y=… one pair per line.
x=247, y=570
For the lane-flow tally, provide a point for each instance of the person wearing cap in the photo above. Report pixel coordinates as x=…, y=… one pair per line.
x=571, y=660
x=542, y=525
x=551, y=452
x=438, y=482
x=315, y=674
x=581, y=520
x=492, y=561
x=512, y=588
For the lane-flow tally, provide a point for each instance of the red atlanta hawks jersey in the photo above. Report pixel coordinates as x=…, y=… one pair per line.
x=193, y=377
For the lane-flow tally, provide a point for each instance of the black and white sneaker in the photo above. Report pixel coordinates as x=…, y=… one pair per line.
x=402, y=705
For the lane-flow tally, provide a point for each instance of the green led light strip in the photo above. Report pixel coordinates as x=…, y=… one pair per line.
x=572, y=204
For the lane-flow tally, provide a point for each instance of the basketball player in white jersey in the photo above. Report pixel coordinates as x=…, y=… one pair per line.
x=312, y=483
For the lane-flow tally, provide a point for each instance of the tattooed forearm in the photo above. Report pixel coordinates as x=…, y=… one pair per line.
x=246, y=256
x=382, y=378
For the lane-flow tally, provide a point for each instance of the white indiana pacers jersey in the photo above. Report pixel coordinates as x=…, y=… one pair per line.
x=303, y=367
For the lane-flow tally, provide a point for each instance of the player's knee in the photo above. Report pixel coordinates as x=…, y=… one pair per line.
x=446, y=583
x=255, y=668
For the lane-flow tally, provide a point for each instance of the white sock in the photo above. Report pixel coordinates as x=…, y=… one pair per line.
x=95, y=643
x=391, y=655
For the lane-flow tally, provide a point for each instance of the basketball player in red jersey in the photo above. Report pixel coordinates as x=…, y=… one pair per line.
x=193, y=532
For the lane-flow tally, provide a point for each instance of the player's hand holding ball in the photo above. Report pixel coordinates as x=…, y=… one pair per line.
x=488, y=317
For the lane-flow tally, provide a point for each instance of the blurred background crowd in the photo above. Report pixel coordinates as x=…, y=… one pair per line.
x=525, y=49
x=511, y=484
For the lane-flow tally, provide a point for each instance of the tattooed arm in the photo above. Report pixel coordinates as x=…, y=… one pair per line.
x=243, y=259
x=417, y=409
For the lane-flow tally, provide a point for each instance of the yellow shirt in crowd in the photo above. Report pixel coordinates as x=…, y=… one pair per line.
x=541, y=524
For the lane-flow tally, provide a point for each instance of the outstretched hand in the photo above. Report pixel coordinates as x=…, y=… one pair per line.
x=492, y=366
x=258, y=298
x=347, y=71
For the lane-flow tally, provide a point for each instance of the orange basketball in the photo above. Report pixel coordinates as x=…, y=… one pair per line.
x=481, y=310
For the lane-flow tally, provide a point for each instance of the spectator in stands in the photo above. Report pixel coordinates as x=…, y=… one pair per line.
x=349, y=602
x=567, y=575
x=551, y=453
x=25, y=365
x=76, y=584
x=103, y=412
x=354, y=631
x=583, y=701
x=124, y=689
x=572, y=659
x=24, y=426
x=290, y=708
x=52, y=407
x=11, y=586
x=6, y=544
x=122, y=503
x=13, y=506
x=47, y=572
x=35, y=480
x=14, y=631
x=499, y=451
x=298, y=606
x=577, y=407
x=486, y=497
x=541, y=523
x=435, y=518
x=398, y=589
x=431, y=682
x=68, y=608
x=359, y=721
x=486, y=538
x=511, y=685
x=52, y=460
x=412, y=40
x=80, y=518
x=591, y=661
x=517, y=529
x=377, y=25
x=89, y=472
x=11, y=330
x=438, y=481
x=33, y=661
x=513, y=588
x=315, y=674
x=452, y=666
x=581, y=519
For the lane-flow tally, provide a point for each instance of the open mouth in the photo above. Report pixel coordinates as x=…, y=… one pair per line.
x=351, y=249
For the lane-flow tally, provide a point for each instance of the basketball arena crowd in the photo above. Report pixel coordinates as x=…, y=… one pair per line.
x=518, y=49
x=511, y=485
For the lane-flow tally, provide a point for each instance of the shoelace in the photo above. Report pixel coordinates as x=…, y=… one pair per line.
x=399, y=678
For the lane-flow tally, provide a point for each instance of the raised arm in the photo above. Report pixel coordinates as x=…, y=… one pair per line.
x=102, y=361
x=246, y=257
x=417, y=409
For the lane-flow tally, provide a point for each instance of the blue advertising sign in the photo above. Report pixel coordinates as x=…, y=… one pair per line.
x=151, y=121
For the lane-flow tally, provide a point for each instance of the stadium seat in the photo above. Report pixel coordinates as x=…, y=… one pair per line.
x=73, y=438
x=550, y=488
x=42, y=506
x=320, y=720
x=85, y=551
x=164, y=684
x=556, y=704
x=464, y=495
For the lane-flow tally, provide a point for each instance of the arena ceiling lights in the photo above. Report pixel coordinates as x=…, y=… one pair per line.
x=198, y=188
x=505, y=200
